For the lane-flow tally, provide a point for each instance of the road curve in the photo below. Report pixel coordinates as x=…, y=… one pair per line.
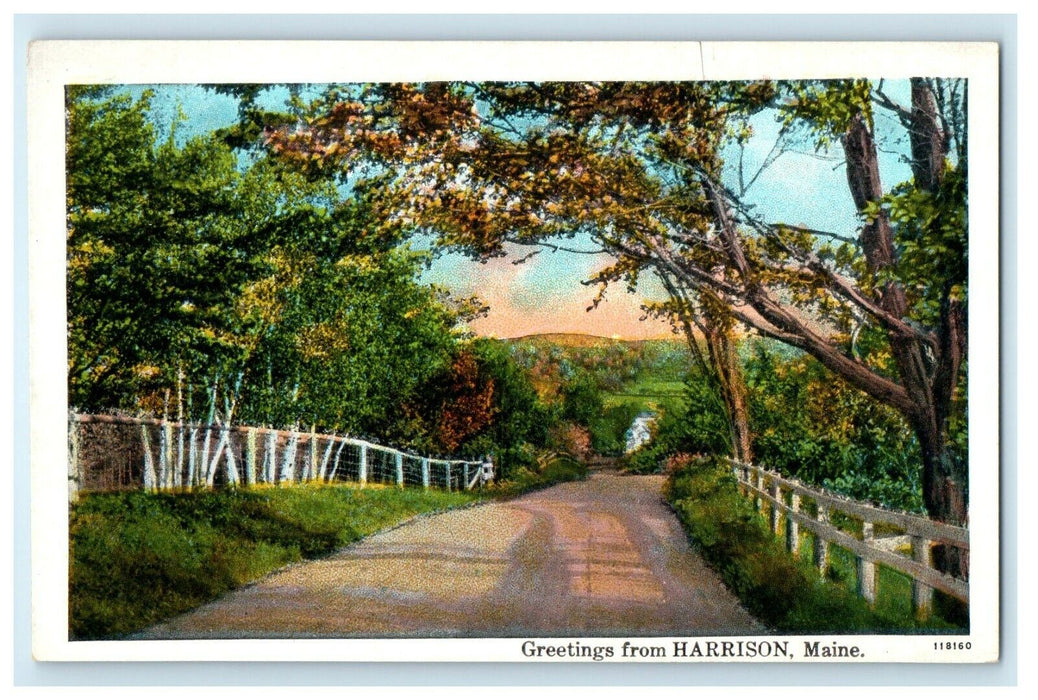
x=602, y=557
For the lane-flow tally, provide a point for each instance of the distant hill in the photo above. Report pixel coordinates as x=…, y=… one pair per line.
x=579, y=340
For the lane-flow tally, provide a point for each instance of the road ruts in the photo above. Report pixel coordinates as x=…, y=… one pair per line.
x=602, y=557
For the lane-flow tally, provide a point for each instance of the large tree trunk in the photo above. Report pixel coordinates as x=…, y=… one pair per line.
x=722, y=366
x=928, y=373
x=722, y=347
x=944, y=495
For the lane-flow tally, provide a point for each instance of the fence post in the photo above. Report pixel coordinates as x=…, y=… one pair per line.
x=447, y=466
x=776, y=511
x=792, y=526
x=400, y=469
x=867, y=568
x=922, y=595
x=822, y=544
x=74, y=476
x=362, y=468
x=464, y=476
x=758, y=502
x=425, y=472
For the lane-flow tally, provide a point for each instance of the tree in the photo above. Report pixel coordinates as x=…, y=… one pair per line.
x=640, y=168
x=156, y=253
x=274, y=296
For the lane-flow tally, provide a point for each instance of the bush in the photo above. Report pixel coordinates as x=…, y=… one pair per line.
x=557, y=469
x=809, y=424
x=609, y=428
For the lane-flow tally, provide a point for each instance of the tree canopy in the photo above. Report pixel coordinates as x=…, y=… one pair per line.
x=642, y=168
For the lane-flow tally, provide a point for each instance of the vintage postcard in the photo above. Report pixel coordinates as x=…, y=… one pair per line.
x=532, y=352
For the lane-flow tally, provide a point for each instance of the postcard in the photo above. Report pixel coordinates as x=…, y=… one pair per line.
x=514, y=351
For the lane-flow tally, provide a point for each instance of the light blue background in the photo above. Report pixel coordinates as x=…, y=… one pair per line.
x=1000, y=28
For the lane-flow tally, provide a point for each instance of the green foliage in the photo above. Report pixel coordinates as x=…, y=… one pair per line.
x=137, y=558
x=786, y=594
x=826, y=107
x=699, y=426
x=609, y=429
x=931, y=236
x=581, y=399
x=520, y=416
x=808, y=424
x=522, y=479
x=155, y=252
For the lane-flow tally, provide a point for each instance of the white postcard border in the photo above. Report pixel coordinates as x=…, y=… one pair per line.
x=54, y=64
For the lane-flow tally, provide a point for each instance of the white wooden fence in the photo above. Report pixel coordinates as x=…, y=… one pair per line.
x=110, y=453
x=901, y=541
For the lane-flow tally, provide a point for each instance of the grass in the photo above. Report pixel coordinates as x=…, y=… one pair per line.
x=648, y=393
x=556, y=471
x=784, y=592
x=137, y=558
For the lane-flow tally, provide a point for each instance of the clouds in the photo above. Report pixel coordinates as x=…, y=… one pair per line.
x=545, y=295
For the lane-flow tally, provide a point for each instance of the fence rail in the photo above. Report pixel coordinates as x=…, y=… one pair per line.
x=901, y=541
x=113, y=453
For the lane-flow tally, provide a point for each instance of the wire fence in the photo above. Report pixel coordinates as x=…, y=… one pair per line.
x=120, y=453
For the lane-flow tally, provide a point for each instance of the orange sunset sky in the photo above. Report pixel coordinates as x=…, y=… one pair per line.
x=545, y=295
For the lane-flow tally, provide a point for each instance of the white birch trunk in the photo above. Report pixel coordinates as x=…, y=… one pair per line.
x=210, y=472
x=208, y=434
x=178, y=473
x=231, y=462
x=322, y=475
x=192, y=459
x=204, y=457
x=250, y=456
x=149, y=464
x=288, y=464
x=270, y=459
x=74, y=476
x=338, y=454
x=192, y=439
x=165, y=454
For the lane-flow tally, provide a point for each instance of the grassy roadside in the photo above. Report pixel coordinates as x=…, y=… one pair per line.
x=561, y=468
x=783, y=592
x=137, y=558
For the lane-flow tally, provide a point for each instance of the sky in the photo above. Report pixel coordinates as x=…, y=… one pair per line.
x=547, y=294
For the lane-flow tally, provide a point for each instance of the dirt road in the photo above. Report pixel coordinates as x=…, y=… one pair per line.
x=603, y=557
